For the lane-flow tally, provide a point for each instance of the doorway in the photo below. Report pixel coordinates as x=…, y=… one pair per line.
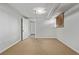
x=25, y=28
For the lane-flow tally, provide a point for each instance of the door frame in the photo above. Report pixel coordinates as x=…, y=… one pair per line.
x=21, y=29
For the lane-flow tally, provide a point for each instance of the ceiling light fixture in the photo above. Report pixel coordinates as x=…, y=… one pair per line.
x=39, y=10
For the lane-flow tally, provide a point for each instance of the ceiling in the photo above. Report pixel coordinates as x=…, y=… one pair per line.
x=26, y=9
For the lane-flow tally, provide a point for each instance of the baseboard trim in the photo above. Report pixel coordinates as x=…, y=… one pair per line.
x=45, y=37
x=9, y=46
x=69, y=46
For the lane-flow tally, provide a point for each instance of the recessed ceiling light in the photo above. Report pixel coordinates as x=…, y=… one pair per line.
x=39, y=10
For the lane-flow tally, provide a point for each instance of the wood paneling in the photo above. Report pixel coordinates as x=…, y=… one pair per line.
x=60, y=21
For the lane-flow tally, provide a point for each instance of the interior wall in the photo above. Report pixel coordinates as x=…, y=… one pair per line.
x=32, y=27
x=9, y=27
x=69, y=35
x=44, y=30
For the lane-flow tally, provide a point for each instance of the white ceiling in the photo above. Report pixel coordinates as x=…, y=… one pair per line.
x=26, y=9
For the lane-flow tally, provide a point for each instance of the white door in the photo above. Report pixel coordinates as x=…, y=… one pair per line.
x=26, y=28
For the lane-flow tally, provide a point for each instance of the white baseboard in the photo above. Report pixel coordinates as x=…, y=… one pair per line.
x=45, y=37
x=9, y=46
x=69, y=46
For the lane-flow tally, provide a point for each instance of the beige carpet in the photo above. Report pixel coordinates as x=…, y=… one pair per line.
x=39, y=46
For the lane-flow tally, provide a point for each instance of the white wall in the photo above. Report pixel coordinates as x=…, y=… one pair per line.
x=32, y=27
x=26, y=28
x=69, y=35
x=9, y=27
x=45, y=31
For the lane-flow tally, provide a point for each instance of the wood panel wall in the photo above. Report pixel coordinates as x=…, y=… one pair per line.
x=60, y=21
